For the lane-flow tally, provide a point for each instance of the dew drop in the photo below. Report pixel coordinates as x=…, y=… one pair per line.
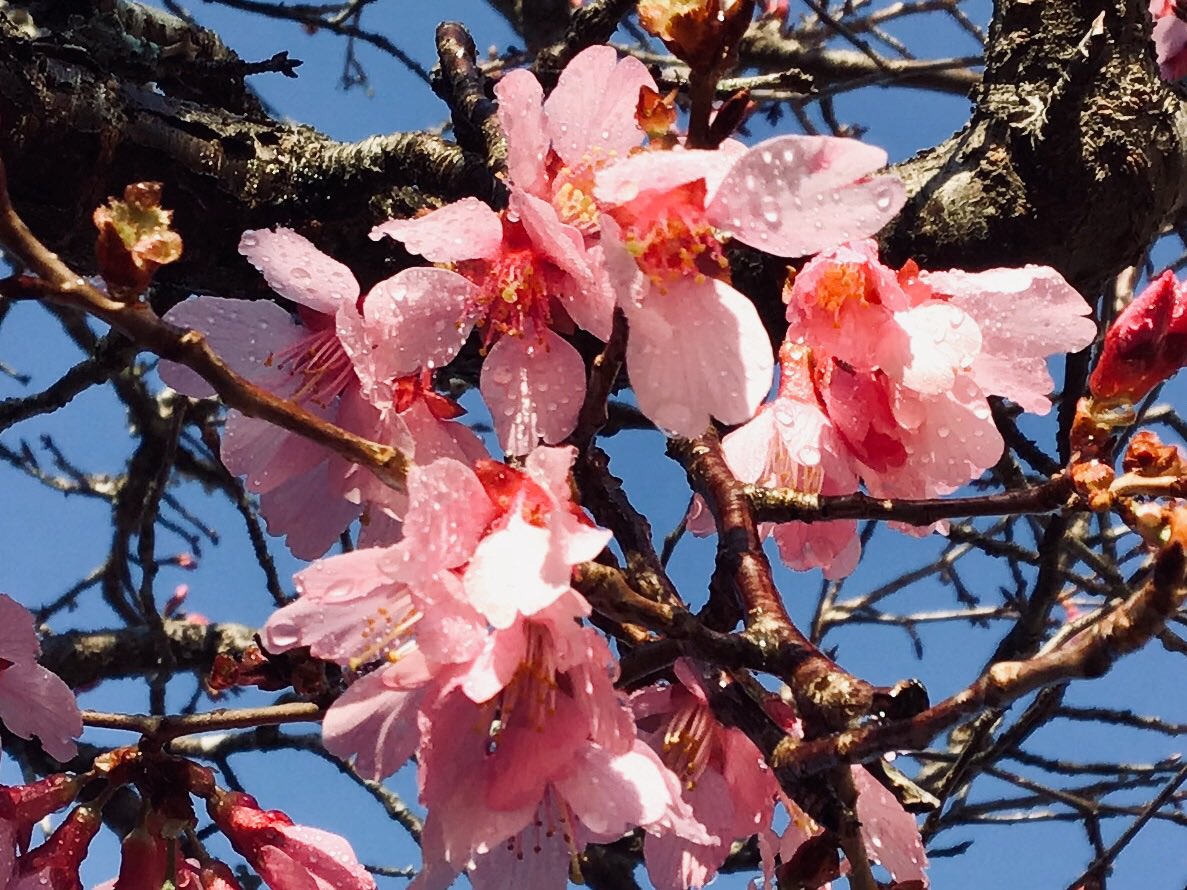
x=300, y=273
x=882, y=199
x=284, y=634
x=766, y=156
x=249, y=240
x=943, y=432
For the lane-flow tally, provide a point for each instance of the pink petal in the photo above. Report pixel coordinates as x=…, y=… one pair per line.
x=660, y=171
x=298, y=271
x=698, y=352
x=591, y=305
x=521, y=551
x=748, y=449
x=831, y=546
x=448, y=513
x=18, y=635
x=326, y=856
x=374, y=721
x=944, y=340
x=611, y=794
x=889, y=832
x=464, y=230
x=35, y=702
x=433, y=438
x=1025, y=315
x=955, y=442
x=534, y=386
x=796, y=195
x=496, y=666
x=535, y=859
x=309, y=511
x=243, y=333
x=591, y=113
x=674, y=863
x=561, y=243
x=415, y=319
x=521, y=115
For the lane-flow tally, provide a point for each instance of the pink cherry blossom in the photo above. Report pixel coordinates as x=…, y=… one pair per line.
x=399, y=607
x=304, y=489
x=555, y=145
x=697, y=348
x=536, y=382
x=1170, y=39
x=725, y=780
x=533, y=270
x=33, y=701
x=554, y=764
x=286, y=856
x=903, y=363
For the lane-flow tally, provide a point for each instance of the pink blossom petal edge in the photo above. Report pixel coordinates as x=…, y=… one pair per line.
x=36, y=702
x=298, y=271
x=374, y=721
x=797, y=195
x=464, y=230
x=660, y=171
x=890, y=834
x=243, y=333
x=415, y=319
x=591, y=113
x=521, y=115
x=534, y=386
x=698, y=352
x=1025, y=315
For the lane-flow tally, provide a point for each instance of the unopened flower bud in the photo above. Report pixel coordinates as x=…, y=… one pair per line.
x=1145, y=345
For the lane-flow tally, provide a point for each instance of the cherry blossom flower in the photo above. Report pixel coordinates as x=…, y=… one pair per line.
x=286, y=856
x=1144, y=345
x=697, y=348
x=903, y=363
x=725, y=780
x=1170, y=39
x=527, y=273
x=399, y=607
x=554, y=763
x=512, y=266
x=33, y=701
x=555, y=146
x=481, y=548
x=304, y=493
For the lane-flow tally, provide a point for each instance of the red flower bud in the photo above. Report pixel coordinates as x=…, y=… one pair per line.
x=54, y=865
x=1145, y=345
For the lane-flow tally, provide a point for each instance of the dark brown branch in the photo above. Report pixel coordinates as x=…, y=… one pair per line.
x=821, y=687
x=462, y=85
x=787, y=505
x=1089, y=654
x=85, y=658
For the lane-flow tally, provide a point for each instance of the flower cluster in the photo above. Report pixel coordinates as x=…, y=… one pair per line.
x=885, y=378
x=460, y=636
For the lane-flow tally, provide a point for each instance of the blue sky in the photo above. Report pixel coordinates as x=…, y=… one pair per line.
x=48, y=541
